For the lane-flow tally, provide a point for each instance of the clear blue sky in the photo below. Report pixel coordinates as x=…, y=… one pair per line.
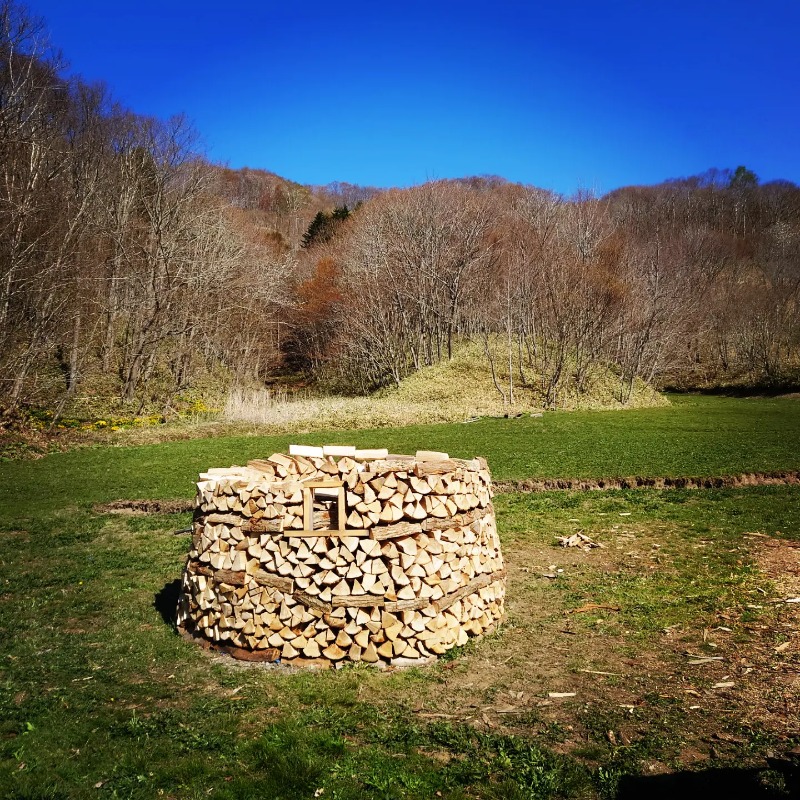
x=561, y=95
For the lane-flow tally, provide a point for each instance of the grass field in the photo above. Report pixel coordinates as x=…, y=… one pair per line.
x=100, y=698
x=695, y=435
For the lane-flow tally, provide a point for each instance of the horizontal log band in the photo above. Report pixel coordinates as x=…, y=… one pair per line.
x=311, y=601
x=358, y=600
x=408, y=605
x=239, y=577
x=458, y=521
x=263, y=578
x=378, y=532
x=479, y=582
x=286, y=585
x=218, y=518
x=382, y=532
x=229, y=576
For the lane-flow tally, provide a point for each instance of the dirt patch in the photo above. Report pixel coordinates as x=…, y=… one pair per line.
x=779, y=560
x=139, y=507
x=545, y=665
x=784, y=478
x=761, y=656
x=581, y=680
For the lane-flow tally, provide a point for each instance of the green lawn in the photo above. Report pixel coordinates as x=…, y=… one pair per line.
x=695, y=436
x=100, y=698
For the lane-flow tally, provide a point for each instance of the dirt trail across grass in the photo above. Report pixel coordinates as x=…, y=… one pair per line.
x=527, y=485
x=179, y=506
x=779, y=478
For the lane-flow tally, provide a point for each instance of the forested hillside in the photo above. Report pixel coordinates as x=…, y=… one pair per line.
x=136, y=274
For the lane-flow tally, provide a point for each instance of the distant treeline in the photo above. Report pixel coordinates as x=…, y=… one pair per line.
x=131, y=268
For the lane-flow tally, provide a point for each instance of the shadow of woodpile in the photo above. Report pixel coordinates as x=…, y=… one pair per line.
x=780, y=779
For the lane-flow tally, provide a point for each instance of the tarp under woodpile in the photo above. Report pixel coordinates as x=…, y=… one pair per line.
x=334, y=555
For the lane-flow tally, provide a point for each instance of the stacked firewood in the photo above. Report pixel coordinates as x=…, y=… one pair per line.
x=329, y=555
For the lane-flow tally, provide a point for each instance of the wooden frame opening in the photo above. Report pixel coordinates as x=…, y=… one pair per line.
x=309, y=490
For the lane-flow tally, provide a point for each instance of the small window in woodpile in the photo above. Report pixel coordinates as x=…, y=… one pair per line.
x=323, y=506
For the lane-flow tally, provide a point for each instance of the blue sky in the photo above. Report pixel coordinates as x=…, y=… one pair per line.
x=578, y=94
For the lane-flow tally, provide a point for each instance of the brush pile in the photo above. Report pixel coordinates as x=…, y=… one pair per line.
x=333, y=555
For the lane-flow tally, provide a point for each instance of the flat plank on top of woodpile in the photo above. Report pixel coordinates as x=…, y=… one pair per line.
x=423, y=468
x=339, y=450
x=369, y=455
x=306, y=450
x=431, y=455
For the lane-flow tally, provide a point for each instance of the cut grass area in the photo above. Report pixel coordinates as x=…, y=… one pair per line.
x=680, y=554
x=100, y=697
x=694, y=436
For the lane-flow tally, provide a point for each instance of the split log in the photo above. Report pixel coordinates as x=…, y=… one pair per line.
x=334, y=652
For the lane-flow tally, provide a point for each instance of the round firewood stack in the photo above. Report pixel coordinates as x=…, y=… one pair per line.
x=333, y=555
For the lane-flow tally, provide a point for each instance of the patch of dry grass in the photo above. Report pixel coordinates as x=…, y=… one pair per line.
x=451, y=391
